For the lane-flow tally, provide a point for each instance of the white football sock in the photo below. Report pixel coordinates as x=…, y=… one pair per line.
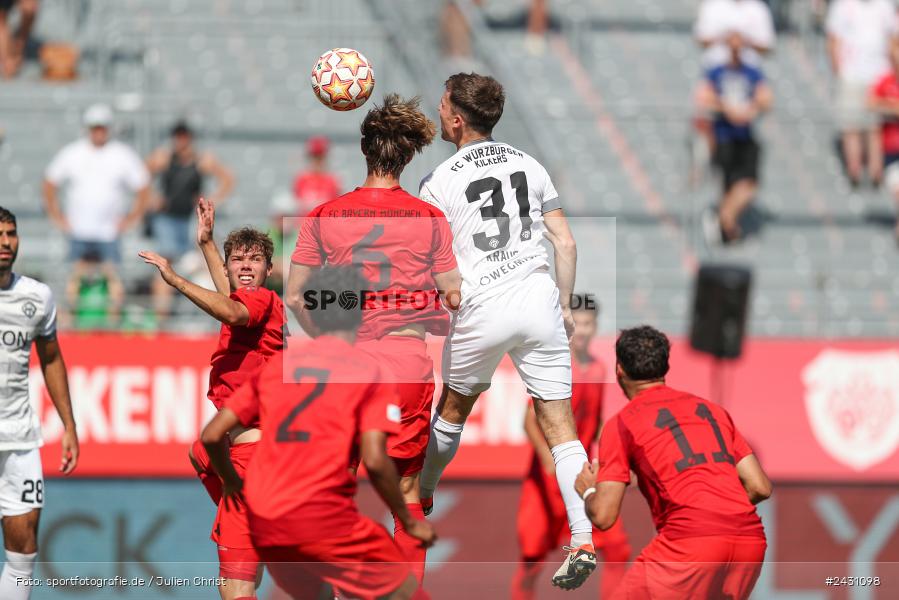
x=17, y=568
x=442, y=446
x=569, y=458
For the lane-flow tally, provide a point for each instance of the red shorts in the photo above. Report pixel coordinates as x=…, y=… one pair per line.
x=543, y=523
x=721, y=566
x=231, y=531
x=366, y=564
x=405, y=361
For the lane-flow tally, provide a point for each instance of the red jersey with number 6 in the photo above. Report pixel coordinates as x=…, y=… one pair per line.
x=298, y=484
x=684, y=450
x=401, y=243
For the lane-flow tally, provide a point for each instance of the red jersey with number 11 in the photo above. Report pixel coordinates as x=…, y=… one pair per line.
x=400, y=241
x=684, y=450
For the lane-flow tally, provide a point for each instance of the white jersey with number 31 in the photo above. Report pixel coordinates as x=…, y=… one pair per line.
x=494, y=197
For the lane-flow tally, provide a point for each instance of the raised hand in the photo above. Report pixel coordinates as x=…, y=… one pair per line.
x=205, y=221
x=164, y=266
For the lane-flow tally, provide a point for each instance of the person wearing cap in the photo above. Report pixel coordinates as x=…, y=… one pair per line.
x=181, y=170
x=105, y=189
x=315, y=185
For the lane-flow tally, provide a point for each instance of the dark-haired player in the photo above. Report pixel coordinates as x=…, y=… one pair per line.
x=698, y=475
x=323, y=404
x=503, y=208
x=252, y=318
x=27, y=315
x=404, y=247
x=542, y=521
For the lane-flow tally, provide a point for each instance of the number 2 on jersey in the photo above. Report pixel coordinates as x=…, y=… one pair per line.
x=666, y=420
x=285, y=433
x=519, y=181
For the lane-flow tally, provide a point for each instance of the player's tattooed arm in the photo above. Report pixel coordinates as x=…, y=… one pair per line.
x=220, y=307
x=384, y=478
x=754, y=479
x=603, y=503
x=206, y=242
x=559, y=234
x=214, y=439
x=57, y=382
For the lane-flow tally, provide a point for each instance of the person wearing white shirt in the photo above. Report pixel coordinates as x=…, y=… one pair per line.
x=98, y=176
x=717, y=19
x=859, y=36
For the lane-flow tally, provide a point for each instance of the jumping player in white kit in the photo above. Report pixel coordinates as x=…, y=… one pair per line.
x=27, y=314
x=502, y=209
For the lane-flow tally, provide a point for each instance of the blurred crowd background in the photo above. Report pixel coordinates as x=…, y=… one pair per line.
x=761, y=133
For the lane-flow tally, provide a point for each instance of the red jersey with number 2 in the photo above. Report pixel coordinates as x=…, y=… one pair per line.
x=243, y=349
x=684, y=450
x=399, y=240
x=298, y=485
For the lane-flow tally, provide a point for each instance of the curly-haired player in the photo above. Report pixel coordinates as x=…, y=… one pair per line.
x=404, y=248
x=252, y=318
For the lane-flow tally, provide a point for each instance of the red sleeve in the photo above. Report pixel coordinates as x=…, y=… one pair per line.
x=308, y=250
x=741, y=446
x=443, y=258
x=879, y=89
x=258, y=302
x=613, y=461
x=380, y=411
x=244, y=402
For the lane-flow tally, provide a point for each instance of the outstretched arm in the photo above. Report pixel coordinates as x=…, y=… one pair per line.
x=219, y=306
x=603, y=499
x=386, y=482
x=206, y=241
x=57, y=382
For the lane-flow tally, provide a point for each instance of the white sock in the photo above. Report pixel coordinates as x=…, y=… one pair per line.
x=569, y=458
x=442, y=446
x=17, y=568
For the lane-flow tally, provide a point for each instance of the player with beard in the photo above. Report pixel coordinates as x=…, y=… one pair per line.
x=404, y=248
x=27, y=315
x=252, y=331
x=699, y=476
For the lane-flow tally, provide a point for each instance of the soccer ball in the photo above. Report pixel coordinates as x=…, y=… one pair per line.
x=342, y=79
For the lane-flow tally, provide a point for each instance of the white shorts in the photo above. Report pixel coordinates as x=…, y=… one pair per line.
x=524, y=321
x=21, y=482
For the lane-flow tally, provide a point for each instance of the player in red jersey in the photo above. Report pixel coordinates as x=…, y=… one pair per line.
x=698, y=475
x=252, y=318
x=404, y=247
x=542, y=519
x=319, y=407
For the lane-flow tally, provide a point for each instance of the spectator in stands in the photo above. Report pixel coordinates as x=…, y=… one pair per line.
x=455, y=33
x=182, y=170
x=12, y=45
x=859, y=35
x=94, y=293
x=737, y=94
x=884, y=99
x=98, y=176
x=315, y=185
x=718, y=18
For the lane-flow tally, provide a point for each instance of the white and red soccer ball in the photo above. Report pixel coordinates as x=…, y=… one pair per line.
x=342, y=79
